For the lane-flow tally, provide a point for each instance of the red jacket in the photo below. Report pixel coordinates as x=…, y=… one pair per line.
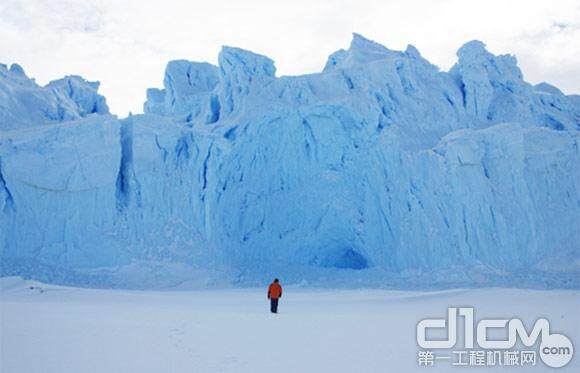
x=274, y=291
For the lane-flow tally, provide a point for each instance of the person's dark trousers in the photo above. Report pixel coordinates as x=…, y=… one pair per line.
x=273, y=305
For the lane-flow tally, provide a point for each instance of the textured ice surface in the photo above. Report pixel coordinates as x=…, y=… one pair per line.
x=380, y=170
x=25, y=104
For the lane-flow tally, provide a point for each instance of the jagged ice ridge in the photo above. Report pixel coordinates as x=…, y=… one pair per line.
x=381, y=170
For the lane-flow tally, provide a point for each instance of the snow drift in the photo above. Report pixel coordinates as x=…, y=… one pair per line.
x=379, y=170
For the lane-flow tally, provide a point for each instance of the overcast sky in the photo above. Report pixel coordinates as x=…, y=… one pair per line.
x=126, y=44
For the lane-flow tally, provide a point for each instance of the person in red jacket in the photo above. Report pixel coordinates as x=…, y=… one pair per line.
x=274, y=293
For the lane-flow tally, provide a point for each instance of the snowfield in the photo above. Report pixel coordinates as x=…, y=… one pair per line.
x=46, y=328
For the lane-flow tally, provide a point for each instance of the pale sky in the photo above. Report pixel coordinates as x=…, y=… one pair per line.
x=125, y=44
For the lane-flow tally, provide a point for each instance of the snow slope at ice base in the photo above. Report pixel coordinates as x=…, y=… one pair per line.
x=378, y=170
x=56, y=329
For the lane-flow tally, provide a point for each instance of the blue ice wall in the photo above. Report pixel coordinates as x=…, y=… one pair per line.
x=380, y=168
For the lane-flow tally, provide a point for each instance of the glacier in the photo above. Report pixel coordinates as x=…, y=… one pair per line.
x=381, y=170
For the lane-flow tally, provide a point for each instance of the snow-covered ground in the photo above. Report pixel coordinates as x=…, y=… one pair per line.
x=47, y=328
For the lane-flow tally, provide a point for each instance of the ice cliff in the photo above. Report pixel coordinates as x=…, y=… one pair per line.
x=380, y=170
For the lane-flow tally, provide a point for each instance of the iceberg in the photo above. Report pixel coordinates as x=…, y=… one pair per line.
x=25, y=104
x=381, y=170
